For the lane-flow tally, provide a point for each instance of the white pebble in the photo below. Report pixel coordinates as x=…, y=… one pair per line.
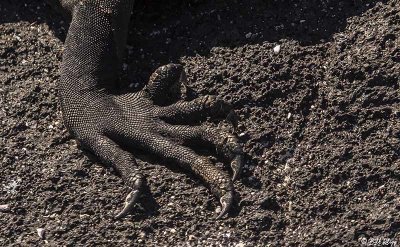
x=142, y=234
x=4, y=207
x=240, y=244
x=84, y=216
x=277, y=49
x=172, y=230
x=289, y=115
x=40, y=232
x=248, y=35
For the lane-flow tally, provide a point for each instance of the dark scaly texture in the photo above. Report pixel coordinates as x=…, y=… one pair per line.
x=102, y=121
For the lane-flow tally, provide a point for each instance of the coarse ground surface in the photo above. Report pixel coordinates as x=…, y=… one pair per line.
x=319, y=121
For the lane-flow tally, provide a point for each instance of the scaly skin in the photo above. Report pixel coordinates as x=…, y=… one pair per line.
x=102, y=121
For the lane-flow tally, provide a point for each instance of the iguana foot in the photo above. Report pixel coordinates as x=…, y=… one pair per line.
x=135, y=120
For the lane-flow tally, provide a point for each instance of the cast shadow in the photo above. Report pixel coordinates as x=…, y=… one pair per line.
x=176, y=28
x=165, y=31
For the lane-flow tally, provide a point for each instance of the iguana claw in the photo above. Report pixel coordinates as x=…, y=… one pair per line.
x=226, y=203
x=131, y=198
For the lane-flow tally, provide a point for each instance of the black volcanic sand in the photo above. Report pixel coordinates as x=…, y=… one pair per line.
x=320, y=123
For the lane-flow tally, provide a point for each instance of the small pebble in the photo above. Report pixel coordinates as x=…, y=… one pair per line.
x=248, y=35
x=142, y=234
x=240, y=244
x=40, y=232
x=277, y=49
x=4, y=207
x=84, y=216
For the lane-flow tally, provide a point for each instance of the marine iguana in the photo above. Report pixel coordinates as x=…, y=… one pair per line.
x=102, y=120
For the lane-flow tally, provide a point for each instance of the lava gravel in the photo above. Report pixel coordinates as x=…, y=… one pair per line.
x=315, y=85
